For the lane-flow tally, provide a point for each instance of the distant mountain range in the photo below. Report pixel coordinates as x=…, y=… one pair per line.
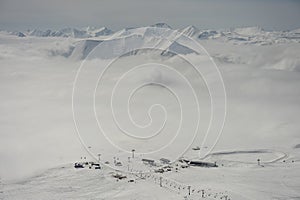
x=253, y=35
x=159, y=35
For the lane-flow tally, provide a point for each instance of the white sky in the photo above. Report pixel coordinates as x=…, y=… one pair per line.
x=269, y=14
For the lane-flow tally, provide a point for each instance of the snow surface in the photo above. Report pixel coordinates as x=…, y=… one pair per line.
x=260, y=70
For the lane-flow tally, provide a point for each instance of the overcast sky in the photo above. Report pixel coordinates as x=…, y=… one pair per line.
x=117, y=14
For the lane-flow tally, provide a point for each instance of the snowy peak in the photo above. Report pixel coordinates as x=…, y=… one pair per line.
x=71, y=32
x=39, y=33
x=245, y=35
x=209, y=34
x=96, y=32
x=134, y=41
x=297, y=31
x=190, y=31
x=180, y=49
x=66, y=32
x=103, y=32
x=161, y=25
x=18, y=33
x=249, y=31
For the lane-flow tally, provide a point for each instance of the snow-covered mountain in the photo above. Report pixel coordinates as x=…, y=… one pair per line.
x=83, y=48
x=190, y=31
x=66, y=32
x=161, y=25
x=244, y=35
x=83, y=41
x=136, y=40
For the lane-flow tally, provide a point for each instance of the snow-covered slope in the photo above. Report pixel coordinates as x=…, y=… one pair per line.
x=83, y=48
x=190, y=31
x=242, y=181
x=102, y=32
x=248, y=31
x=132, y=39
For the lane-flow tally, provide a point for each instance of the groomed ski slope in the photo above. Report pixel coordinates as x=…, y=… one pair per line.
x=275, y=180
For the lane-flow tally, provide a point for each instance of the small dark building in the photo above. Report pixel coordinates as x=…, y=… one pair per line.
x=78, y=165
x=164, y=161
x=148, y=161
x=200, y=163
x=159, y=171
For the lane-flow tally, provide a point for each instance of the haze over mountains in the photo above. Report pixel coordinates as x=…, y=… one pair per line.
x=76, y=44
x=252, y=35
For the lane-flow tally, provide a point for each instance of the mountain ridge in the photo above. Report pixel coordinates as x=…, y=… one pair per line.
x=240, y=33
